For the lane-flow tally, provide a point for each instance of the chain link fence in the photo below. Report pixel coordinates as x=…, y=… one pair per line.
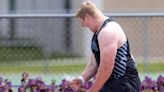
x=54, y=46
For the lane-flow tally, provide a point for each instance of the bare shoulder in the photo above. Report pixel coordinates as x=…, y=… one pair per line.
x=113, y=31
x=114, y=25
x=110, y=30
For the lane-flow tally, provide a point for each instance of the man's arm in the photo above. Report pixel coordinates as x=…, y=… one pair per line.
x=90, y=69
x=108, y=41
x=88, y=73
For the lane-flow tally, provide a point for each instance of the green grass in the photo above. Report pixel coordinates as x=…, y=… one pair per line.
x=41, y=69
x=151, y=67
x=11, y=54
x=18, y=53
x=66, y=66
x=19, y=59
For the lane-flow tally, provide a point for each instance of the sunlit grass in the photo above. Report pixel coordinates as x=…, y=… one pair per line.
x=66, y=66
x=150, y=67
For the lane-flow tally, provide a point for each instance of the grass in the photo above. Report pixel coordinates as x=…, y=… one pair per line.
x=16, y=53
x=151, y=67
x=65, y=66
x=12, y=54
x=31, y=59
x=41, y=69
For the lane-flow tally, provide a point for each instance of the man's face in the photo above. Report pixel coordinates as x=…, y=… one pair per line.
x=83, y=22
x=87, y=22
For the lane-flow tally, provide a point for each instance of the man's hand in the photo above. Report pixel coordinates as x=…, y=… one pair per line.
x=75, y=84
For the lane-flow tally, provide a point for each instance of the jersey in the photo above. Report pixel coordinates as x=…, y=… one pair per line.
x=122, y=59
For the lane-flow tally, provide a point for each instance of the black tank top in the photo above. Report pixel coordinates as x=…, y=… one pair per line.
x=122, y=57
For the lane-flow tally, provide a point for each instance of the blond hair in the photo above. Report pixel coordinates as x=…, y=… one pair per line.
x=86, y=7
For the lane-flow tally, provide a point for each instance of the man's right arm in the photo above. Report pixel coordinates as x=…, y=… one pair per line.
x=90, y=69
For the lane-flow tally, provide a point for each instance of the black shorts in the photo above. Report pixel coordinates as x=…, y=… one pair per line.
x=129, y=83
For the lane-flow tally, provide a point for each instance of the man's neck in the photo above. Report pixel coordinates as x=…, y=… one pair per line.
x=100, y=22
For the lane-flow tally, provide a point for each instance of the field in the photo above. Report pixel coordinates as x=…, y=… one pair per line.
x=65, y=66
x=62, y=69
x=32, y=59
x=14, y=61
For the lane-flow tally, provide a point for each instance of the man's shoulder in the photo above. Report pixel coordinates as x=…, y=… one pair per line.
x=113, y=24
x=111, y=27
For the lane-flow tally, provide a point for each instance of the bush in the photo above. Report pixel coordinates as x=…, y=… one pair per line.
x=33, y=85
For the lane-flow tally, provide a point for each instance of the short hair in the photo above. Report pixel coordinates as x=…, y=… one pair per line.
x=86, y=7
